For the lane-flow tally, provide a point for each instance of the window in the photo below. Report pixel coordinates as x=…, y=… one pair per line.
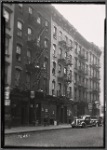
x=39, y=19
x=54, y=68
x=18, y=52
x=70, y=57
x=55, y=32
x=66, y=55
x=29, y=33
x=46, y=43
x=6, y=73
x=65, y=71
x=87, y=55
x=60, y=52
x=60, y=68
x=17, y=77
x=38, y=41
x=75, y=76
x=54, y=49
x=29, y=54
x=70, y=74
x=71, y=43
x=60, y=35
x=66, y=39
x=19, y=27
x=45, y=85
x=53, y=87
x=20, y=5
x=6, y=45
x=46, y=23
x=45, y=63
x=75, y=62
x=6, y=15
x=70, y=92
x=28, y=78
x=76, y=44
x=30, y=10
x=59, y=85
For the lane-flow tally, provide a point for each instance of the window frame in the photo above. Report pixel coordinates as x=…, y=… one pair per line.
x=9, y=17
x=30, y=10
x=18, y=54
x=19, y=28
x=7, y=47
x=54, y=31
x=17, y=79
x=39, y=19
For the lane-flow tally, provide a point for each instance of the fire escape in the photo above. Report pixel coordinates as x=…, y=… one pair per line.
x=66, y=77
x=35, y=65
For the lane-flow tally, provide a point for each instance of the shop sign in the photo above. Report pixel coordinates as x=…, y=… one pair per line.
x=7, y=102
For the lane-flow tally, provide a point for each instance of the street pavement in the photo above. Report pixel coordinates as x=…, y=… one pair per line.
x=69, y=137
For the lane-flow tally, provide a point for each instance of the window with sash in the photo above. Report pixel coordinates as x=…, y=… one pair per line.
x=54, y=68
x=55, y=32
x=19, y=28
x=30, y=10
x=28, y=79
x=39, y=19
x=54, y=49
x=6, y=15
x=46, y=43
x=29, y=33
x=60, y=36
x=18, y=52
x=7, y=45
x=17, y=77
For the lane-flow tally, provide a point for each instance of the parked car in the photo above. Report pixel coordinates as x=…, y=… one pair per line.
x=96, y=121
x=83, y=121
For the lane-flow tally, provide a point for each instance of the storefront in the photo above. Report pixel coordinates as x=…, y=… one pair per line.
x=39, y=110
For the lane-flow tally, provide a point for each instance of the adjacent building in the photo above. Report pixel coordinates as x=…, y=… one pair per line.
x=54, y=70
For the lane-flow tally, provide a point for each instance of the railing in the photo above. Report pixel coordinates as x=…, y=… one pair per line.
x=69, y=62
x=96, y=66
x=61, y=59
x=81, y=71
x=95, y=78
x=60, y=78
x=64, y=44
x=82, y=57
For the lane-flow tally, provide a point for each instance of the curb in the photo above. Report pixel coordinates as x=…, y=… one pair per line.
x=32, y=131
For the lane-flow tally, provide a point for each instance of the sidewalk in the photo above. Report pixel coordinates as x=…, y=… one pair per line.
x=17, y=130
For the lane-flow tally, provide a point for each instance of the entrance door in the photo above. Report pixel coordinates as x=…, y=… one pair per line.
x=65, y=114
x=61, y=115
x=38, y=112
x=24, y=113
x=31, y=114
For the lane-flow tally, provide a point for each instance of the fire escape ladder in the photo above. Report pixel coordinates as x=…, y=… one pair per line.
x=41, y=52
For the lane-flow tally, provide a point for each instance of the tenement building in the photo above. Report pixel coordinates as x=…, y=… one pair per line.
x=54, y=70
x=7, y=46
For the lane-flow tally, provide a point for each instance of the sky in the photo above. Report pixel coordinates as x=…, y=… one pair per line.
x=87, y=19
x=89, y=22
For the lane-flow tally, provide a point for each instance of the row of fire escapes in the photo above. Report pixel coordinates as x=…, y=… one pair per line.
x=66, y=77
x=81, y=71
x=35, y=66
